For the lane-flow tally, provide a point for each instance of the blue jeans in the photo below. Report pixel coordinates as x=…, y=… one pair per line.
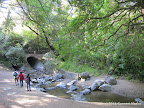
x=21, y=83
x=28, y=86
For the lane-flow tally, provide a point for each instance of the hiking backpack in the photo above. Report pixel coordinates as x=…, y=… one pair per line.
x=27, y=80
x=15, y=73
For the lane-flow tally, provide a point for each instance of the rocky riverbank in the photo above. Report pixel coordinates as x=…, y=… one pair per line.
x=88, y=82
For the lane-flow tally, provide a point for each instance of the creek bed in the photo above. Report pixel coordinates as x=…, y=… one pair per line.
x=95, y=96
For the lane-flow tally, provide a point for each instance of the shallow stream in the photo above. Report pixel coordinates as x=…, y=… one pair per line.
x=95, y=96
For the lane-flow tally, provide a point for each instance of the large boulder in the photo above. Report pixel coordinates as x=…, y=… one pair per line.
x=42, y=89
x=48, y=78
x=61, y=85
x=105, y=88
x=57, y=76
x=68, y=92
x=72, y=88
x=41, y=80
x=34, y=81
x=85, y=75
x=59, y=80
x=111, y=80
x=85, y=92
x=37, y=85
x=73, y=82
x=138, y=100
x=48, y=82
x=96, y=84
x=78, y=97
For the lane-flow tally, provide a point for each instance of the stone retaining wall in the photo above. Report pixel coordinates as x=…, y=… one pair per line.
x=69, y=75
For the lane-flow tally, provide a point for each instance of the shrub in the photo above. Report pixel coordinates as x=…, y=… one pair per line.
x=14, y=39
x=50, y=63
x=128, y=59
x=16, y=56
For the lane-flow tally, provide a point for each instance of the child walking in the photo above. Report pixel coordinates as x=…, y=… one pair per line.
x=15, y=74
x=21, y=77
x=28, y=82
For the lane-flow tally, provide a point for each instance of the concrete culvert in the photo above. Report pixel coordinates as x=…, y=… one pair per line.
x=35, y=63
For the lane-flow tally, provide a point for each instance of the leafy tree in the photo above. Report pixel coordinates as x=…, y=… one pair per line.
x=104, y=18
x=97, y=33
x=8, y=25
x=44, y=18
x=100, y=32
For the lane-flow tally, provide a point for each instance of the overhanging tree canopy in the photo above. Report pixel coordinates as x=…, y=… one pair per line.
x=109, y=16
x=78, y=29
x=44, y=18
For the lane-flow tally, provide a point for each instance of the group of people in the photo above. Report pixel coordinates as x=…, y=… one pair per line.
x=20, y=76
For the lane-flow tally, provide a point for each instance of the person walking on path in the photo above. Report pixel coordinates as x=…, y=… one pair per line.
x=15, y=74
x=28, y=82
x=21, y=77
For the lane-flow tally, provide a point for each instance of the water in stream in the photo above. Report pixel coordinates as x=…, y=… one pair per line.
x=96, y=96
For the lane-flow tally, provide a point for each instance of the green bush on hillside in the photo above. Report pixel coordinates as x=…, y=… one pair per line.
x=128, y=59
x=16, y=56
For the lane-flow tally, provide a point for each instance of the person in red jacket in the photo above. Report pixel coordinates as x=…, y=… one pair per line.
x=21, y=77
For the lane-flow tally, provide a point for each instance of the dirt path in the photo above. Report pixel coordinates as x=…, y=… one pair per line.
x=12, y=96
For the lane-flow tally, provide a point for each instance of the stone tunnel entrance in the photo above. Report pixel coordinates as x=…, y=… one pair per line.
x=35, y=63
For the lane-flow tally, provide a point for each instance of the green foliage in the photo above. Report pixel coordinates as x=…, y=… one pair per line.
x=8, y=25
x=50, y=62
x=88, y=34
x=45, y=17
x=4, y=62
x=92, y=38
x=16, y=56
x=128, y=58
x=8, y=41
x=2, y=40
x=32, y=42
x=75, y=67
x=14, y=39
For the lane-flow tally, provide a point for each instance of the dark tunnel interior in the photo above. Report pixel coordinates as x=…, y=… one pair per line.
x=35, y=63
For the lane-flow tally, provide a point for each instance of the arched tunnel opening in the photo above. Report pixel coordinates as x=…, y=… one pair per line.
x=35, y=63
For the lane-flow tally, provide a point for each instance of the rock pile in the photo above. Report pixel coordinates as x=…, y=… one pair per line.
x=102, y=85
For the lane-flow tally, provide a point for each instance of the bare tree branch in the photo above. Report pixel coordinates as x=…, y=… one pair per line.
x=32, y=30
